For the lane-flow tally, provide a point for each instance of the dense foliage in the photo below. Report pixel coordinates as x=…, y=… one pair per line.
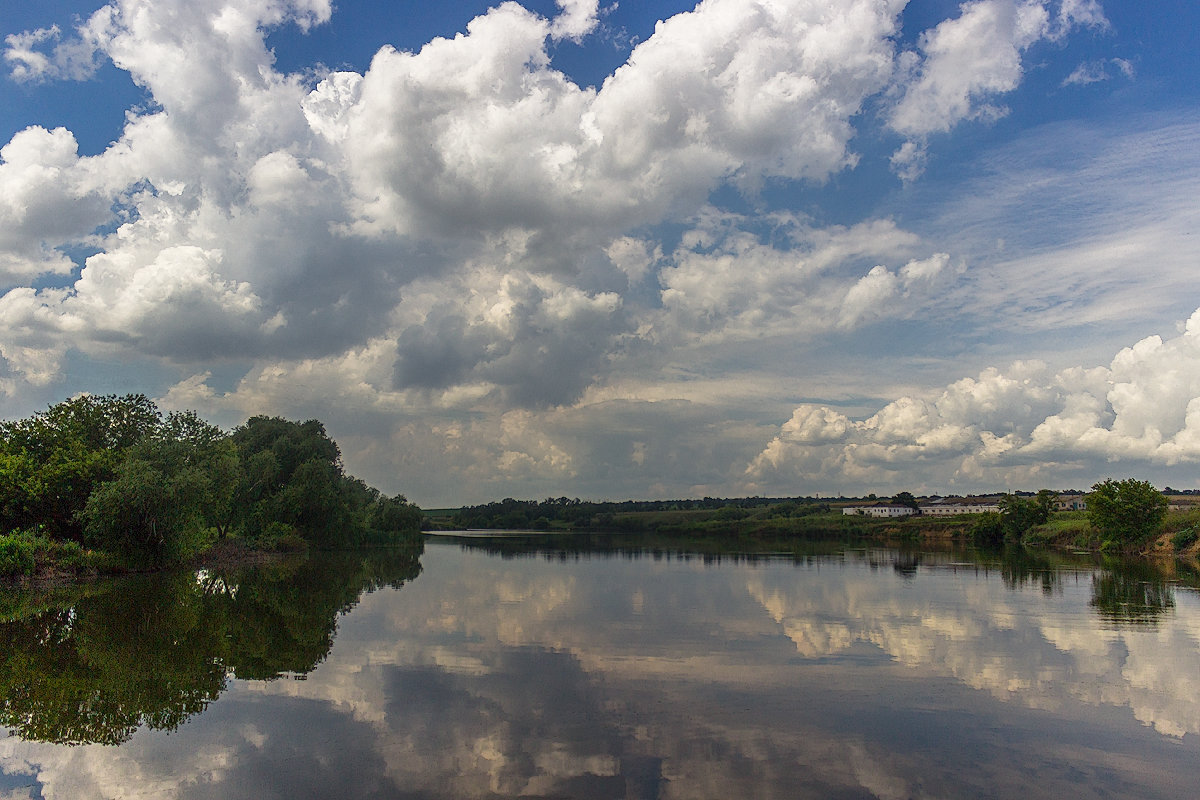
x=112, y=473
x=1127, y=513
x=1017, y=516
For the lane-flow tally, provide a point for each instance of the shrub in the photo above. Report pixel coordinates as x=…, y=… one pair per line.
x=988, y=529
x=17, y=555
x=26, y=553
x=1182, y=539
x=281, y=537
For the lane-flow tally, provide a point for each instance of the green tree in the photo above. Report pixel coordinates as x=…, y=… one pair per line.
x=988, y=529
x=53, y=460
x=209, y=449
x=153, y=510
x=906, y=499
x=294, y=478
x=1019, y=514
x=1127, y=513
x=112, y=472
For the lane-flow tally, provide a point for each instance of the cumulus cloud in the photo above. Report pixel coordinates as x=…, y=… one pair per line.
x=74, y=59
x=499, y=139
x=50, y=196
x=463, y=232
x=730, y=279
x=1003, y=428
x=965, y=62
x=314, y=206
x=879, y=289
x=577, y=19
x=536, y=340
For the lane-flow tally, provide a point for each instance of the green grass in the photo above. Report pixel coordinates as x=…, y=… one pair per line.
x=26, y=554
x=1063, y=529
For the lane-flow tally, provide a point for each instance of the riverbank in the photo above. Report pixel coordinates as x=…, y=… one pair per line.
x=26, y=559
x=781, y=521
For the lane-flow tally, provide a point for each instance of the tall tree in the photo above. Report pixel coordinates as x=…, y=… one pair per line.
x=153, y=510
x=1127, y=513
x=54, y=459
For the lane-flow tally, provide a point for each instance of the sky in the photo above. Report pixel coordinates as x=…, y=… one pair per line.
x=620, y=250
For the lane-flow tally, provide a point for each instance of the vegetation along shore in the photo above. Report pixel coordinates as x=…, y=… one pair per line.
x=107, y=484
x=1120, y=516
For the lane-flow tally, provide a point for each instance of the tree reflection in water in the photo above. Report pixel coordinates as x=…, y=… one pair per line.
x=1131, y=594
x=1020, y=567
x=93, y=664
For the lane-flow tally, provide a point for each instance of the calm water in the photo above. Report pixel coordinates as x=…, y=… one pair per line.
x=489, y=671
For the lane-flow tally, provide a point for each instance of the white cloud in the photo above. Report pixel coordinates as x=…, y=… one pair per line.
x=966, y=61
x=578, y=18
x=729, y=280
x=882, y=293
x=75, y=59
x=481, y=132
x=1097, y=71
x=869, y=295
x=321, y=204
x=47, y=195
x=462, y=231
x=1004, y=428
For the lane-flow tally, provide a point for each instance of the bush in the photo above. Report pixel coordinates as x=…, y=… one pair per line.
x=1064, y=527
x=148, y=516
x=17, y=555
x=1183, y=539
x=988, y=529
x=280, y=537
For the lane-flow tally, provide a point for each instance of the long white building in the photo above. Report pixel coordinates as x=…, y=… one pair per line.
x=948, y=509
x=929, y=509
x=878, y=511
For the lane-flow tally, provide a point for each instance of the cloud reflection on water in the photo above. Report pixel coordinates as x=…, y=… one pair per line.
x=644, y=678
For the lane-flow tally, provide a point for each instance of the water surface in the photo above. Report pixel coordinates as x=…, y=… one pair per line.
x=501, y=669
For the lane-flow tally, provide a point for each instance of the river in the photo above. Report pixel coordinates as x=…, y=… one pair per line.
x=552, y=667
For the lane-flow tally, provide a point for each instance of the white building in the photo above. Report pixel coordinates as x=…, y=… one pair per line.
x=1070, y=502
x=878, y=511
x=948, y=509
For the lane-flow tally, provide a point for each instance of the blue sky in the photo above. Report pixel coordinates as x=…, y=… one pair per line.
x=626, y=250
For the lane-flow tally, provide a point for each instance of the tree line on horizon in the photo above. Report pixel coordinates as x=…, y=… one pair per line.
x=114, y=474
x=575, y=513
x=1122, y=515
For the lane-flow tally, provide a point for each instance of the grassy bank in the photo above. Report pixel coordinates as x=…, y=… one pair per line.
x=27, y=558
x=26, y=555
x=732, y=524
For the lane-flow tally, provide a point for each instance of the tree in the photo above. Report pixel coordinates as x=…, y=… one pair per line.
x=1127, y=513
x=294, y=478
x=111, y=471
x=1019, y=514
x=153, y=510
x=906, y=499
x=54, y=459
x=988, y=529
